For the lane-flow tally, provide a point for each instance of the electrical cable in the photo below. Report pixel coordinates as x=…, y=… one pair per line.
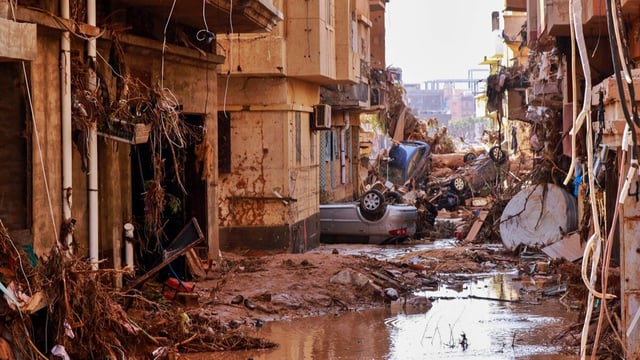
x=604, y=311
x=621, y=92
x=618, y=38
x=594, y=245
x=226, y=85
x=164, y=44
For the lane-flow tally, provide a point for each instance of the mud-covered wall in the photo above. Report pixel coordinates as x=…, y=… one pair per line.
x=194, y=86
x=46, y=155
x=192, y=80
x=273, y=183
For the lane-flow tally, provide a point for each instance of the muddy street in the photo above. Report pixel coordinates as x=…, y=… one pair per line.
x=492, y=315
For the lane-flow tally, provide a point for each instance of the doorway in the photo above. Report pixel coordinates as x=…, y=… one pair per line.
x=167, y=192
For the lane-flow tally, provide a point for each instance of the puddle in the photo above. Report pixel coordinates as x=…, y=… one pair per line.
x=383, y=252
x=484, y=309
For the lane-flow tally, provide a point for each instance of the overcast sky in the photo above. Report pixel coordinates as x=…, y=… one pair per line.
x=431, y=39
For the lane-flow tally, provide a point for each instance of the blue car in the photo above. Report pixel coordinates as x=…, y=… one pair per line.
x=407, y=160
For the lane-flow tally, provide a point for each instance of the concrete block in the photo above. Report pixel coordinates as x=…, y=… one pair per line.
x=18, y=41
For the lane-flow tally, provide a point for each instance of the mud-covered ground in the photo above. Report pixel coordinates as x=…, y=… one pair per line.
x=247, y=289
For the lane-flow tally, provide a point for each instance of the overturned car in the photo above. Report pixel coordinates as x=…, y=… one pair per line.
x=380, y=216
x=404, y=196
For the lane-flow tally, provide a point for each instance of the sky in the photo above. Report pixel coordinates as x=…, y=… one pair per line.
x=433, y=39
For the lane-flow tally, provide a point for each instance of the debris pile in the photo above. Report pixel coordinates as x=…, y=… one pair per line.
x=61, y=306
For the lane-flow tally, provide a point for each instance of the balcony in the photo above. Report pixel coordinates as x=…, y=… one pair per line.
x=346, y=97
x=556, y=18
x=246, y=16
x=17, y=41
x=515, y=5
x=514, y=24
x=594, y=14
x=311, y=41
x=614, y=120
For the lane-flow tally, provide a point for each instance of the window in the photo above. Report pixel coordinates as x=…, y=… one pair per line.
x=298, y=126
x=224, y=142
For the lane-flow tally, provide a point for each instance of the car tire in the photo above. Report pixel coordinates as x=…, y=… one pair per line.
x=458, y=184
x=469, y=157
x=372, y=202
x=497, y=155
x=393, y=197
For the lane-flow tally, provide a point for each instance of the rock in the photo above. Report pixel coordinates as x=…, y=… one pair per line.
x=249, y=305
x=419, y=303
x=349, y=277
x=391, y=293
x=237, y=299
x=286, y=300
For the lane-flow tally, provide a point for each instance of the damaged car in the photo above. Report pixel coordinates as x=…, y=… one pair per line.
x=380, y=215
x=479, y=177
x=371, y=220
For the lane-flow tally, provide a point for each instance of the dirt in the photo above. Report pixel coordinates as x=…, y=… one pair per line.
x=244, y=289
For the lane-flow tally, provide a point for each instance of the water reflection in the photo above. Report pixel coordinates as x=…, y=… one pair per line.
x=484, y=311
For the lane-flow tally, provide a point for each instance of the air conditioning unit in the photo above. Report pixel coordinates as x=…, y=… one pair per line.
x=321, y=117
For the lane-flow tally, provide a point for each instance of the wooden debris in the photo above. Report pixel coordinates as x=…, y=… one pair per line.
x=569, y=248
x=477, y=225
x=195, y=264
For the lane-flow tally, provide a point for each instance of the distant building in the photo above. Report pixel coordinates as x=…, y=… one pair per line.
x=445, y=99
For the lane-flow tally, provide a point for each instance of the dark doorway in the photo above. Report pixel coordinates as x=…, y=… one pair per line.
x=14, y=153
x=184, y=191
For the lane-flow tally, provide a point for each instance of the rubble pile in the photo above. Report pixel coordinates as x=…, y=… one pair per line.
x=61, y=306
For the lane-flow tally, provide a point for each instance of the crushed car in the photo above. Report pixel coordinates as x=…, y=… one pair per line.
x=403, y=196
x=380, y=215
x=478, y=177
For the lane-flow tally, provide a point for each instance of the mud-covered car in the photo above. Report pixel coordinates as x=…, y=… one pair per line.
x=371, y=220
x=479, y=177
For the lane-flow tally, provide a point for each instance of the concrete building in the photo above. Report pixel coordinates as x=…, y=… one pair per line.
x=289, y=111
x=446, y=99
x=242, y=116
x=552, y=93
x=81, y=87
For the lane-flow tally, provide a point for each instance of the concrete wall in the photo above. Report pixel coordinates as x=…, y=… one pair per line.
x=192, y=86
x=46, y=160
x=378, y=29
x=272, y=155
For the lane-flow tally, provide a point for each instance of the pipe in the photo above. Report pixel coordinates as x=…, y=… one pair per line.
x=93, y=155
x=343, y=149
x=65, y=119
x=128, y=250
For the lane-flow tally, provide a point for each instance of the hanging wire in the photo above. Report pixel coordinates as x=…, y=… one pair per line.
x=164, y=44
x=226, y=85
x=204, y=34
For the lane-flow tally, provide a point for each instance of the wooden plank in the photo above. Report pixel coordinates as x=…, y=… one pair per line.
x=477, y=225
x=195, y=264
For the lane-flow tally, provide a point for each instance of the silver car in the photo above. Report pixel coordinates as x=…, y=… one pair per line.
x=370, y=221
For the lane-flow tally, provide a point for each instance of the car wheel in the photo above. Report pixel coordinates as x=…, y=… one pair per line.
x=372, y=202
x=497, y=155
x=469, y=157
x=458, y=184
x=393, y=197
